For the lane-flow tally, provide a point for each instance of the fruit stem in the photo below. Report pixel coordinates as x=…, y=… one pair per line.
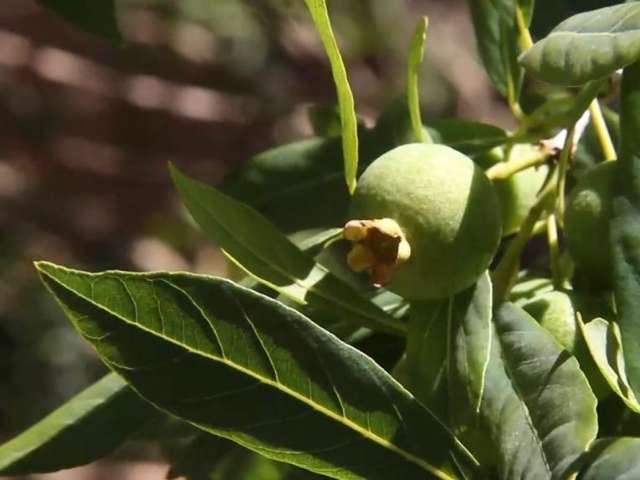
x=503, y=170
x=554, y=251
x=602, y=131
x=505, y=273
x=565, y=155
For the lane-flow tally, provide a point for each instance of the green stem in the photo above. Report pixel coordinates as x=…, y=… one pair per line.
x=505, y=273
x=503, y=170
x=565, y=155
x=554, y=251
x=602, y=131
x=524, y=35
x=416, y=56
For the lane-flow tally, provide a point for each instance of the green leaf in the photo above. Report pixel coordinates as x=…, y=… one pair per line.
x=589, y=151
x=416, y=56
x=241, y=365
x=256, y=246
x=497, y=37
x=625, y=226
x=537, y=407
x=86, y=428
x=587, y=46
x=469, y=347
x=318, y=10
x=605, y=345
x=469, y=137
x=611, y=458
x=423, y=370
x=97, y=17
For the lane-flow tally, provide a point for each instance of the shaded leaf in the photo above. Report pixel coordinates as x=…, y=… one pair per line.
x=587, y=46
x=612, y=458
x=537, y=407
x=255, y=245
x=625, y=226
x=497, y=37
x=589, y=151
x=86, y=428
x=272, y=376
x=97, y=17
x=349, y=120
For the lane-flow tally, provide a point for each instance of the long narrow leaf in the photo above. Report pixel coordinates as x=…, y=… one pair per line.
x=243, y=366
x=625, y=226
x=254, y=244
x=318, y=10
x=416, y=56
x=86, y=428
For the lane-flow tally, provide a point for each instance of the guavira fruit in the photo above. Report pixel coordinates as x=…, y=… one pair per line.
x=519, y=192
x=426, y=221
x=586, y=223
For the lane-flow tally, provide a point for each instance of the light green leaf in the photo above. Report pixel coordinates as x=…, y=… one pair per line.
x=537, y=407
x=470, y=337
x=241, y=365
x=605, y=345
x=318, y=10
x=424, y=368
x=416, y=56
x=97, y=17
x=86, y=428
x=587, y=46
x=256, y=246
x=625, y=226
x=612, y=458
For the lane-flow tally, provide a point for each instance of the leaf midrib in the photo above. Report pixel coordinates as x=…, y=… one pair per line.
x=282, y=388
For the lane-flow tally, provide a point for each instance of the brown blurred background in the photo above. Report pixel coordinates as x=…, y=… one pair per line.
x=87, y=129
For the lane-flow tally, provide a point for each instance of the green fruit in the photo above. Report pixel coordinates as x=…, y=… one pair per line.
x=447, y=210
x=587, y=223
x=519, y=192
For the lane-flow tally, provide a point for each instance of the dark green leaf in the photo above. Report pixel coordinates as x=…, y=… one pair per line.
x=466, y=136
x=612, y=458
x=97, y=16
x=349, y=120
x=256, y=245
x=537, y=406
x=240, y=365
x=86, y=428
x=494, y=22
x=587, y=46
x=625, y=226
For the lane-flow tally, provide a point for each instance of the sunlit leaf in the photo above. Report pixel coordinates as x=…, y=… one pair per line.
x=587, y=46
x=318, y=10
x=612, y=458
x=242, y=366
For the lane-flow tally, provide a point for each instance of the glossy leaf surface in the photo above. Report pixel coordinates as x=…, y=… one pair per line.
x=587, y=46
x=86, y=428
x=97, y=17
x=537, y=406
x=625, y=226
x=607, y=459
x=243, y=366
x=256, y=245
x=318, y=10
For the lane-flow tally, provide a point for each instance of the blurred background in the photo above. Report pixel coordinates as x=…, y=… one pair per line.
x=87, y=129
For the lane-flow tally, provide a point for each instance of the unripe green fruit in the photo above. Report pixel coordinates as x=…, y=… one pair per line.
x=445, y=206
x=519, y=192
x=587, y=223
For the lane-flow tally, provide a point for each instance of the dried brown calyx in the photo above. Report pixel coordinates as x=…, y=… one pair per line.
x=379, y=247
